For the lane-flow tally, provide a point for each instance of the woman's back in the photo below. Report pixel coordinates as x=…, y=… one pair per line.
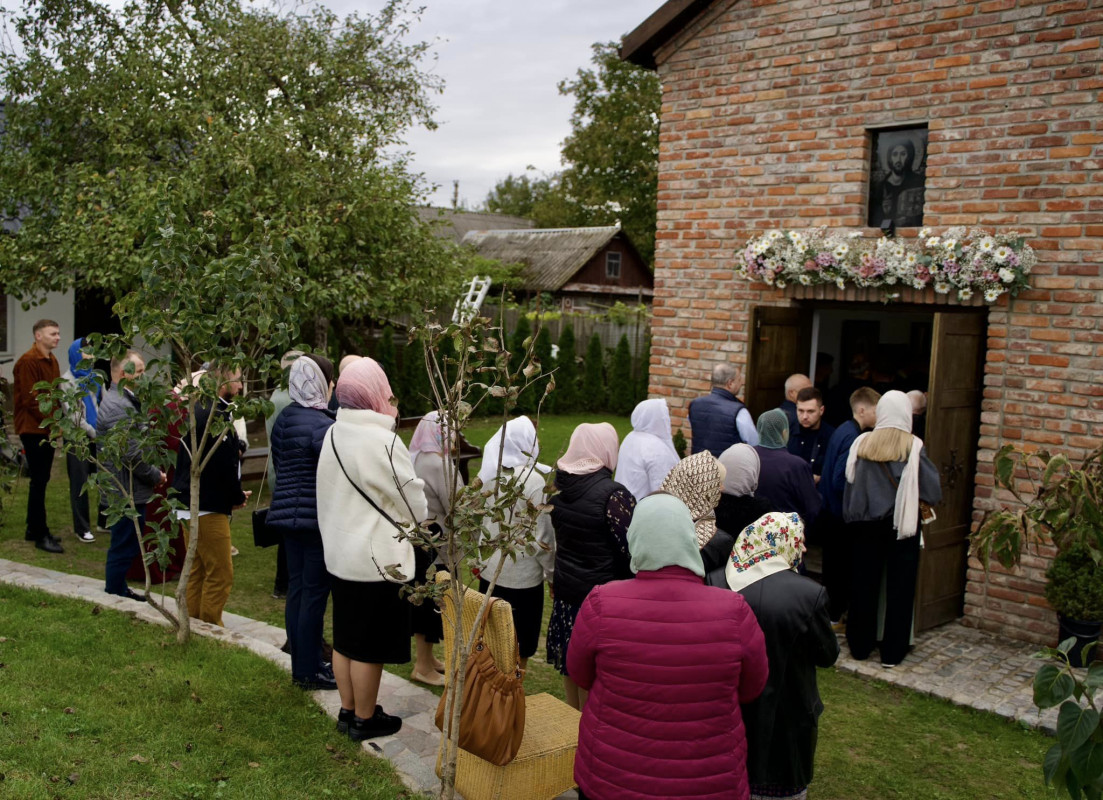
x=296, y=443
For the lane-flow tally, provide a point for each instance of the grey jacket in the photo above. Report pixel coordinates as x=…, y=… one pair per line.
x=872, y=496
x=139, y=477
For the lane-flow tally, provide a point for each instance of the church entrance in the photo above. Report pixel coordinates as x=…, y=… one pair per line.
x=842, y=346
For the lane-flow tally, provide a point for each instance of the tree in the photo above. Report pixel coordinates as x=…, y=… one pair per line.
x=268, y=123
x=542, y=352
x=643, y=375
x=622, y=391
x=415, y=399
x=517, y=196
x=567, y=399
x=593, y=376
x=385, y=351
x=519, y=344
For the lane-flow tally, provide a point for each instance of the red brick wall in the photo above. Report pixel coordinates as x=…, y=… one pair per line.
x=766, y=107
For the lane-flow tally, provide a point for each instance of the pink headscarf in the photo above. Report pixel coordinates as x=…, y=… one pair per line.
x=364, y=385
x=593, y=446
x=428, y=436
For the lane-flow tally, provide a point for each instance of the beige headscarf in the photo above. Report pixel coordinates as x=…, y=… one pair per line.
x=592, y=446
x=697, y=481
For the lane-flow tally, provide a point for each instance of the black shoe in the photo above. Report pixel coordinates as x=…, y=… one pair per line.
x=49, y=544
x=29, y=537
x=286, y=648
x=344, y=717
x=379, y=725
x=279, y=594
x=379, y=712
x=316, y=681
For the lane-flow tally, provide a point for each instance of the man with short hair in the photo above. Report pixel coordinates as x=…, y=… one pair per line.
x=133, y=477
x=720, y=419
x=836, y=561
x=83, y=413
x=37, y=364
x=220, y=492
x=809, y=440
x=794, y=384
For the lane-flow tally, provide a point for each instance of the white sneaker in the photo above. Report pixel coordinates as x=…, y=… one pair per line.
x=86, y=537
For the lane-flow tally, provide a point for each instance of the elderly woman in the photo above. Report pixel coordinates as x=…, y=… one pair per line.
x=431, y=453
x=740, y=503
x=785, y=480
x=521, y=581
x=590, y=514
x=647, y=454
x=296, y=443
x=361, y=511
x=888, y=476
x=697, y=480
x=792, y=612
x=667, y=662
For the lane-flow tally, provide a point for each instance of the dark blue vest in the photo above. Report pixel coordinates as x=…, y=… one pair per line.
x=712, y=419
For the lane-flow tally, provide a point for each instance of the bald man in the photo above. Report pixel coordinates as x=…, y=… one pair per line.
x=793, y=386
x=720, y=419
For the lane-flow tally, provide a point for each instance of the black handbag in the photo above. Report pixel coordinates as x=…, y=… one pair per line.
x=264, y=536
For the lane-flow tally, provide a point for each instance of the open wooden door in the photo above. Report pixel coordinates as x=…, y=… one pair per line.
x=953, y=419
x=781, y=343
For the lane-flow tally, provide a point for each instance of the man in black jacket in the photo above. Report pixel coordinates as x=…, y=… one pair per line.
x=212, y=575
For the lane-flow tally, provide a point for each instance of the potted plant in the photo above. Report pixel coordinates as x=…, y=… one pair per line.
x=1059, y=505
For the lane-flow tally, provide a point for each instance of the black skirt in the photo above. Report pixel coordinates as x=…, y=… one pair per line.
x=426, y=617
x=528, y=613
x=371, y=621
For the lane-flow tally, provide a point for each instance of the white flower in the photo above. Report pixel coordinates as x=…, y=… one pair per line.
x=911, y=259
x=840, y=283
x=950, y=244
x=1002, y=254
x=992, y=294
x=805, y=279
x=942, y=287
x=853, y=234
x=1006, y=275
x=774, y=235
x=842, y=250
x=780, y=284
x=964, y=294
x=761, y=246
x=987, y=244
x=924, y=233
x=918, y=284
x=933, y=241
x=796, y=238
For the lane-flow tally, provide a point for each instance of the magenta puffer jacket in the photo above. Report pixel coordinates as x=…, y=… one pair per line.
x=667, y=661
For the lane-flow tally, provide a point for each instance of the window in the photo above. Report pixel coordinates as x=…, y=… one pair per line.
x=612, y=266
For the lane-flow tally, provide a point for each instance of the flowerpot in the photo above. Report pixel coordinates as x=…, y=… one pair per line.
x=1085, y=632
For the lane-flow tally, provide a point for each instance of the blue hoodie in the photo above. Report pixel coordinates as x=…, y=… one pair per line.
x=93, y=391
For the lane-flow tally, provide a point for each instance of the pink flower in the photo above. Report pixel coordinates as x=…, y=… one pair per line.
x=811, y=266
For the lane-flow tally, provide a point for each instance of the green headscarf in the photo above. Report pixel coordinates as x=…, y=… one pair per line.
x=773, y=430
x=662, y=535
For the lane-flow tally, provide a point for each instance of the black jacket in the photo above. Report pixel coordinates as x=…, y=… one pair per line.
x=782, y=723
x=220, y=481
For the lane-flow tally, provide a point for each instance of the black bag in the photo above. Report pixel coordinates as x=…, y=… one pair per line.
x=263, y=536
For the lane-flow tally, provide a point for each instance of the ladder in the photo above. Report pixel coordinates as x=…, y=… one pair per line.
x=469, y=306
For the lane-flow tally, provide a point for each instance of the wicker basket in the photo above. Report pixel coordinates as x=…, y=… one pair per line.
x=544, y=766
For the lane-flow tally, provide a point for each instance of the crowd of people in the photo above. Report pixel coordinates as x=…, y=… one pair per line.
x=682, y=624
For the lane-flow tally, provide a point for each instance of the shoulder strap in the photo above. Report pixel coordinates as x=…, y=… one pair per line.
x=354, y=485
x=888, y=472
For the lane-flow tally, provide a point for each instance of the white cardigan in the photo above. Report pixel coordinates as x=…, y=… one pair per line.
x=359, y=543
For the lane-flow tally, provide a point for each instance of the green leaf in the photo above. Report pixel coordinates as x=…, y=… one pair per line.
x=1087, y=761
x=1052, y=685
x=1094, y=679
x=1053, y=765
x=1075, y=724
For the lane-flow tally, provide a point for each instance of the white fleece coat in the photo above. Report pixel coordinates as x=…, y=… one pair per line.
x=359, y=543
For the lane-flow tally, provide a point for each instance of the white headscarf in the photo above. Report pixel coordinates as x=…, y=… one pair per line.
x=894, y=410
x=307, y=384
x=647, y=454
x=520, y=451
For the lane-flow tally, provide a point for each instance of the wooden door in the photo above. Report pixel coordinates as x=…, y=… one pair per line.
x=781, y=342
x=953, y=419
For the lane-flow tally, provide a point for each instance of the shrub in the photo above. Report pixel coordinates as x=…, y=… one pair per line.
x=593, y=378
x=542, y=350
x=566, y=379
x=622, y=391
x=1075, y=584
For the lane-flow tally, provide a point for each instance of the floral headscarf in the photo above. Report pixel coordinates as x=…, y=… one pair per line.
x=697, y=481
x=773, y=543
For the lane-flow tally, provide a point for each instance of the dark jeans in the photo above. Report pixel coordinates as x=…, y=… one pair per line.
x=79, y=471
x=836, y=563
x=40, y=460
x=122, y=552
x=307, y=595
x=876, y=550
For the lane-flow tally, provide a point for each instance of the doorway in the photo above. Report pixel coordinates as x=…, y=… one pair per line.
x=902, y=347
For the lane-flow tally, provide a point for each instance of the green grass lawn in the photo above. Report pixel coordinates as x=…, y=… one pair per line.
x=95, y=704
x=875, y=741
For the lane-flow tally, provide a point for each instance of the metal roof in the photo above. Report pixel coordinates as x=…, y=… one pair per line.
x=549, y=256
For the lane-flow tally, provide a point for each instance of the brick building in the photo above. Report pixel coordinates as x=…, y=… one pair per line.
x=770, y=115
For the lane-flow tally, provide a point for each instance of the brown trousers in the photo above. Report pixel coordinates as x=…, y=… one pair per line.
x=212, y=572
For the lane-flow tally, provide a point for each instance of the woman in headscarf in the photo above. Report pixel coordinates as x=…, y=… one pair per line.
x=740, y=503
x=785, y=481
x=295, y=445
x=521, y=581
x=696, y=480
x=431, y=455
x=888, y=474
x=792, y=612
x=590, y=514
x=362, y=514
x=647, y=454
x=667, y=662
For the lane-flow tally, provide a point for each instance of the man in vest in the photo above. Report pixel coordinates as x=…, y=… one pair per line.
x=719, y=419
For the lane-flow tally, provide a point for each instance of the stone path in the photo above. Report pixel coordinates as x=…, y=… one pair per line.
x=964, y=666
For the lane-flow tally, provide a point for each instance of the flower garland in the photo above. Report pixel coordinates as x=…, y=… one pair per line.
x=968, y=263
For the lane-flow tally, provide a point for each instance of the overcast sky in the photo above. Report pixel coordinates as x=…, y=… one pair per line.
x=501, y=61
